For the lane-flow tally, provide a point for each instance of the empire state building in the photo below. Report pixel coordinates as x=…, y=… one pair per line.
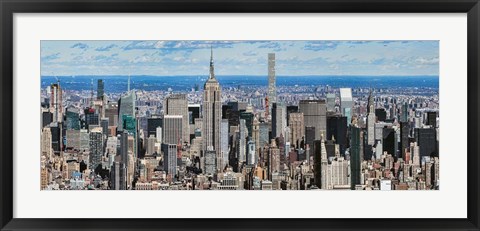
x=212, y=114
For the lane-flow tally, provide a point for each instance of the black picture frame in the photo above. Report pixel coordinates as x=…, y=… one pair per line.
x=10, y=7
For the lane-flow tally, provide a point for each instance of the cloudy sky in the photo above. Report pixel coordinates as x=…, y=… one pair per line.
x=167, y=58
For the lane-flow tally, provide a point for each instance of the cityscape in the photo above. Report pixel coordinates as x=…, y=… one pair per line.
x=281, y=115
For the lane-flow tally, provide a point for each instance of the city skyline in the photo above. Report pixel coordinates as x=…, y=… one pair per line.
x=240, y=135
x=167, y=58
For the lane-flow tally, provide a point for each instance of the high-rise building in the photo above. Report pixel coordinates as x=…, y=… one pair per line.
x=151, y=144
x=170, y=159
x=279, y=119
x=221, y=163
x=91, y=118
x=242, y=142
x=251, y=153
x=56, y=132
x=355, y=156
x=404, y=113
x=381, y=114
x=172, y=128
x=331, y=97
x=427, y=141
x=432, y=119
x=320, y=163
x=404, y=139
x=371, y=121
x=47, y=118
x=104, y=125
x=100, y=89
x=111, y=112
x=126, y=106
x=389, y=141
x=152, y=125
x=46, y=148
x=212, y=113
x=309, y=136
x=297, y=128
x=248, y=117
x=56, y=102
x=264, y=134
x=315, y=115
x=177, y=104
x=73, y=118
x=272, y=89
x=123, y=152
x=193, y=112
x=210, y=162
x=337, y=130
x=274, y=159
x=96, y=147
x=346, y=103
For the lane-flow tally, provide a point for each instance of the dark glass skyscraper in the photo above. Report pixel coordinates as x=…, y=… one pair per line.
x=427, y=141
x=337, y=129
x=355, y=156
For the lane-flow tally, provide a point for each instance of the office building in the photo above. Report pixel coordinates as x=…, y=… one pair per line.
x=177, y=104
x=355, y=156
x=346, y=103
x=212, y=113
x=170, y=159
x=426, y=139
x=337, y=130
x=279, y=119
x=272, y=89
x=315, y=115
x=100, y=89
x=96, y=148
x=297, y=128
x=172, y=129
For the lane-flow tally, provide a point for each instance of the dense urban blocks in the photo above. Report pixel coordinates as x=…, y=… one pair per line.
x=230, y=132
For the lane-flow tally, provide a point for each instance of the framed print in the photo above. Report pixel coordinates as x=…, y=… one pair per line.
x=239, y=115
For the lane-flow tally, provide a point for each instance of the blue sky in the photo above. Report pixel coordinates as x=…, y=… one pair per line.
x=167, y=58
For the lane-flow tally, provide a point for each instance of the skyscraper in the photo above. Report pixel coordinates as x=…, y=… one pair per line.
x=315, y=115
x=56, y=102
x=389, y=141
x=432, y=119
x=297, y=128
x=371, y=121
x=242, y=142
x=100, y=89
x=212, y=113
x=331, y=102
x=73, y=118
x=346, y=103
x=320, y=163
x=224, y=143
x=272, y=89
x=404, y=139
x=177, y=104
x=96, y=147
x=172, y=128
x=279, y=119
x=427, y=141
x=170, y=159
x=355, y=156
x=337, y=130
x=126, y=106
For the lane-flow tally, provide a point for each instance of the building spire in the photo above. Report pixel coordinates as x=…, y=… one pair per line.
x=212, y=75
